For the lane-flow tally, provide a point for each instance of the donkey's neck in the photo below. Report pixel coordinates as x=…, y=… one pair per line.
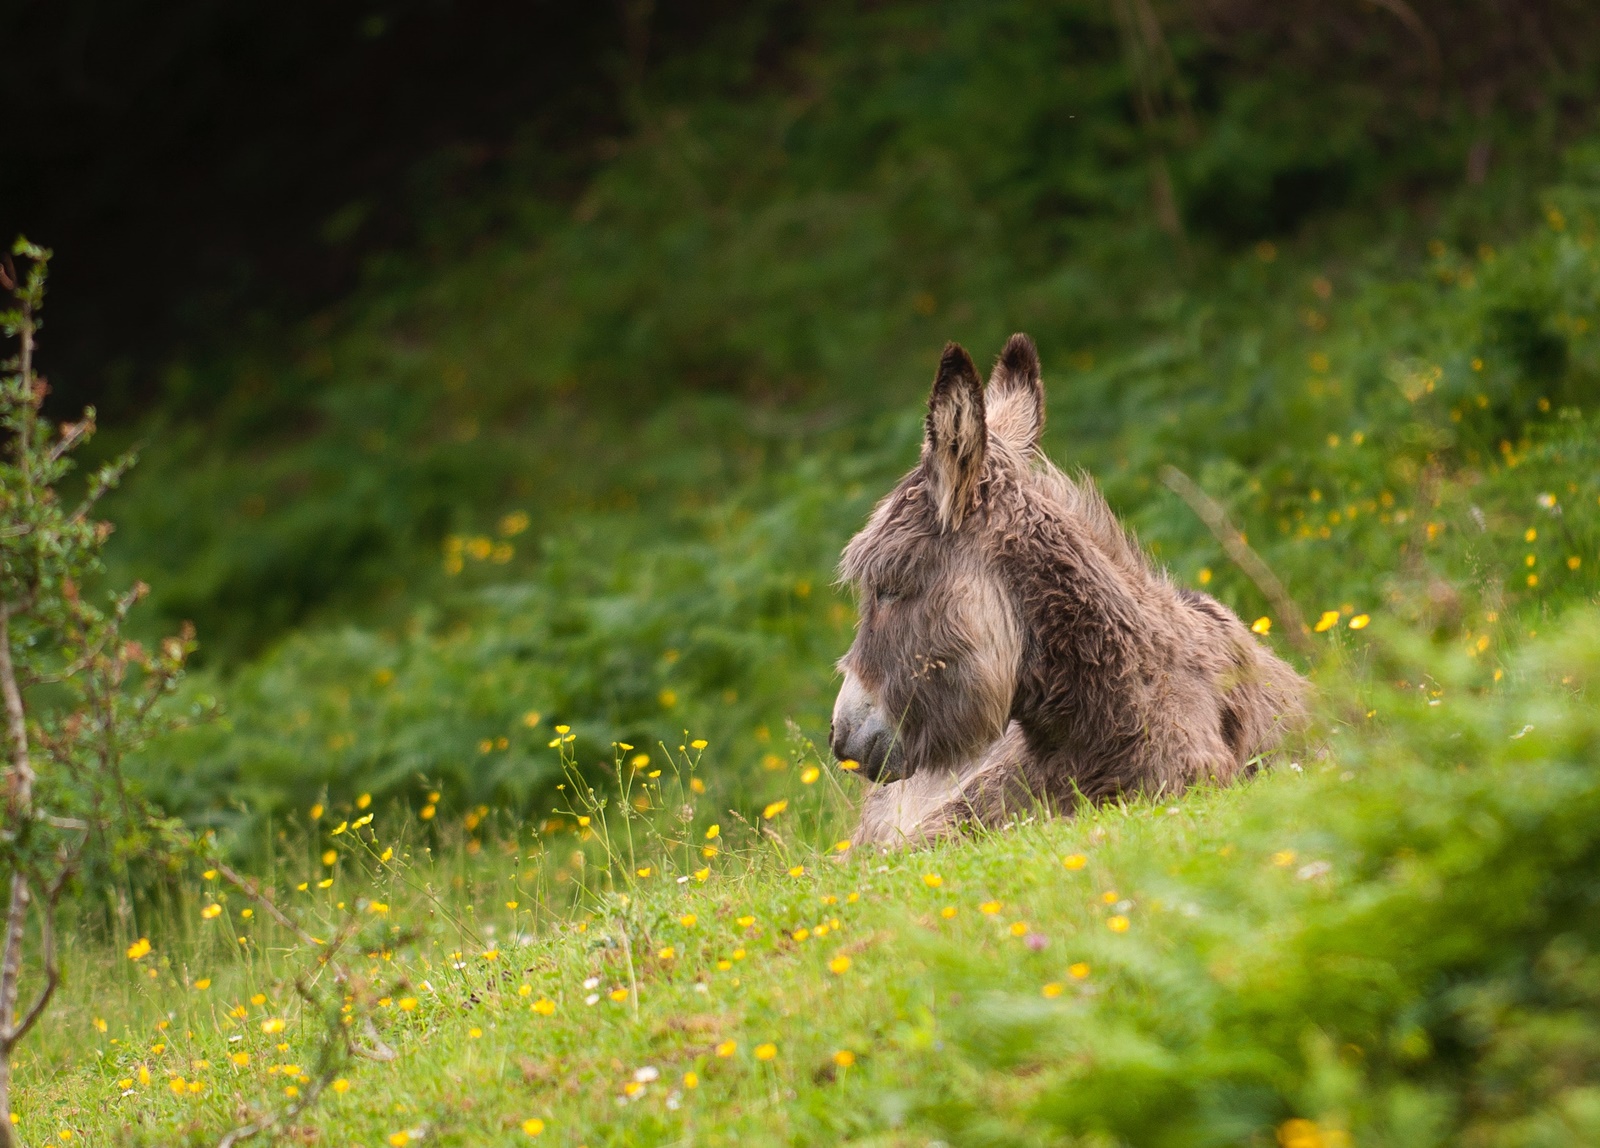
x=1081, y=690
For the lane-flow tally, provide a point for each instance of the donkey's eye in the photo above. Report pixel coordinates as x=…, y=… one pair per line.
x=883, y=595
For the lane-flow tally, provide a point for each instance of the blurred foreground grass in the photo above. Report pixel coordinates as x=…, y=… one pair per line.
x=1389, y=941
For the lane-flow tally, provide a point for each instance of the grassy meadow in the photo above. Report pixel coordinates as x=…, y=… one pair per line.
x=513, y=579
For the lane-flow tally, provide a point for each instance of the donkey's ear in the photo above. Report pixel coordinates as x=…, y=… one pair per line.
x=1016, y=397
x=952, y=452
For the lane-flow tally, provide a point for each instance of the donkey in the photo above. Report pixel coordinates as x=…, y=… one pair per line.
x=1016, y=647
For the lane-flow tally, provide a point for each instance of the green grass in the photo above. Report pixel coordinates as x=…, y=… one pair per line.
x=1393, y=937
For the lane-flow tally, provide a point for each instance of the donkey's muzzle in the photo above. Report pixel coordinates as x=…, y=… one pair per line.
x=859, y=733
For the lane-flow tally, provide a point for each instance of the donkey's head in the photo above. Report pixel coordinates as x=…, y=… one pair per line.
x=929, y=680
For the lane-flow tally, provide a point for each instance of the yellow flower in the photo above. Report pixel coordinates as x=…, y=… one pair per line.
x=1301, y=1133
x=947, y=912
x=341, y=1086
x=1117, y=924
x=775, y=808
x=100, y=1023
x=844, y=1058
x=691, y=1080
x=363, y=801
x=139, y=949
x=1359, y=622
x=1019, y=928
x=1329, y=619
x=1262, y=625
x=247, y=913
x=144, y=1075
x=668, y=953
x=339, y=828
x=291, y=1091
x=1051, y=990
x=407, y=1004
x=210, y=874
x=643, y=870
x=849, y=765
x=272, y=1024
x=1110, y=897
x=491, y=954
x=809, y=774
x=841, y=846
x=696, y=785
x=839, y=964
x=698, y=743
x=702, y=874
x=544, y=1006
x=744, y=922
x=1078, y=970
x=687, y=920
x=766, y=1051
x=242, y=1059
x=512, y=904
x=1074, y=861
x=427, y=813
x=1283, y=858
x=325, y=883
x=211, y=912
x=797, y=871
x=203, y=983
x=316, y=811
x=400, y=1139
x=619, y=995
x=474, y=1033
x=533, y=1126
x=668, y=699
x=989, y=908
x=378, y=907
x=708, y=851
x=727, y=1048
x=259, y=999
x=932, y=880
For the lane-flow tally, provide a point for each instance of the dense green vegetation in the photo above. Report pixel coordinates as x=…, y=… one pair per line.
x=595, y=470
x=698, y=378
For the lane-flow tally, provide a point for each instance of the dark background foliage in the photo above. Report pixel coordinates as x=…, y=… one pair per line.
x=200, y=167
x=208, y=172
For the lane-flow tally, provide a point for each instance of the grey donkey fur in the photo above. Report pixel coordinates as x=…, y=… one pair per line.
x=1015, y=645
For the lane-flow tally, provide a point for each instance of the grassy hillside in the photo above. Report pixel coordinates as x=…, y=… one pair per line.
x=1389, y=942
x=598, y=467
x=593, y=471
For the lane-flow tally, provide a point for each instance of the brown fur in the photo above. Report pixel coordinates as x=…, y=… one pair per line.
x=1015, y=644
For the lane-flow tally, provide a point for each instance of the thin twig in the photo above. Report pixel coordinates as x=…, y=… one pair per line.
x=252, y=889
x=1216, y=519
x=52, y=968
